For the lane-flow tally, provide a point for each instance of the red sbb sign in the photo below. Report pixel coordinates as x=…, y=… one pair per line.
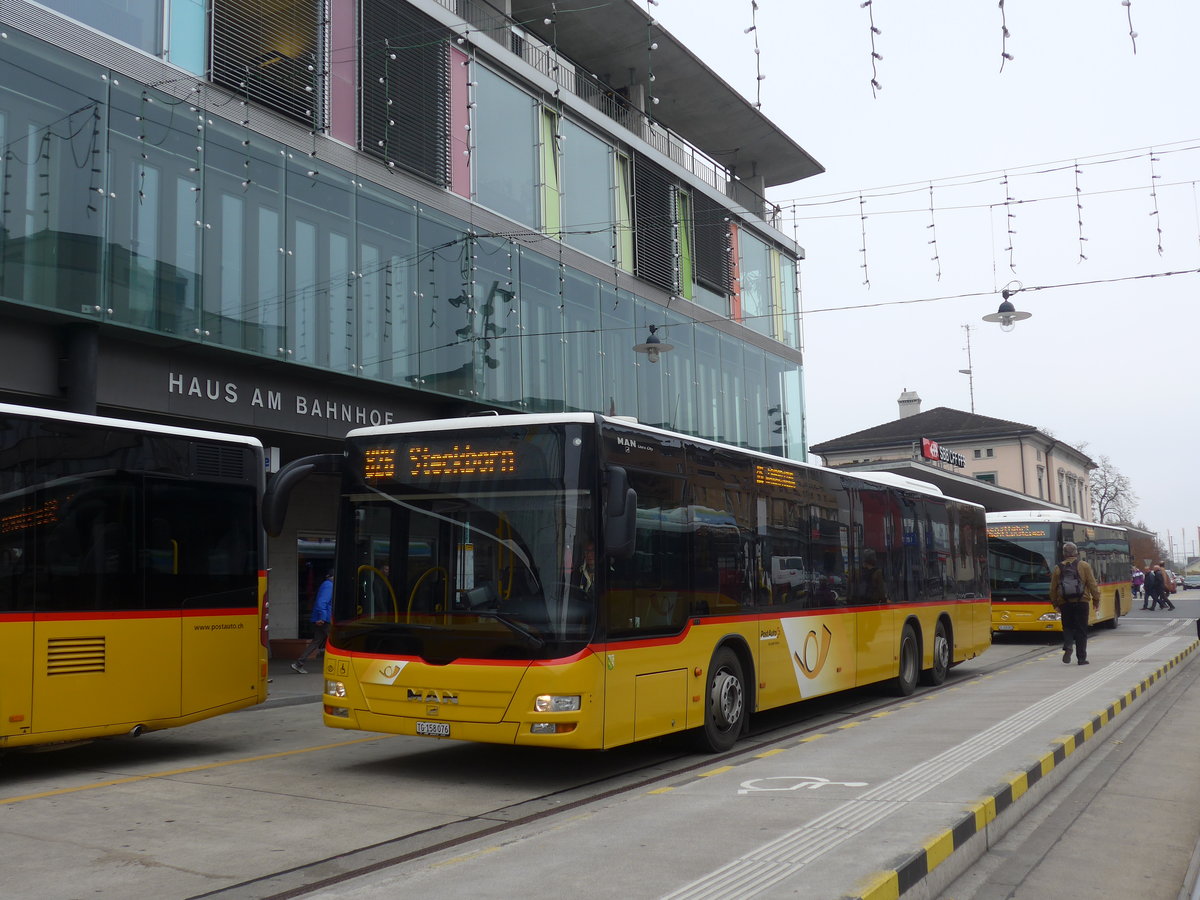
x=934, y=450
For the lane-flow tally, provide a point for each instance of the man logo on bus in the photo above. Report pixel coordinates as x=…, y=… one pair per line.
x=422, y=695
x=815, y=652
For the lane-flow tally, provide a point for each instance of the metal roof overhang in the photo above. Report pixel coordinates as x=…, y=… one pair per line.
x=693, y=100
x=990, y=497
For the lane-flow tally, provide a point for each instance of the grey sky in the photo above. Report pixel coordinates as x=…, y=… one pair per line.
x=1109, y=362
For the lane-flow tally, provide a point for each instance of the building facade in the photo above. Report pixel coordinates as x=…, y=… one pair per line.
x=290, y=218
x=1003, y=465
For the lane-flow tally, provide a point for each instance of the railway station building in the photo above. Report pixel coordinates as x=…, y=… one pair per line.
x=996, y=463
x=291, y=218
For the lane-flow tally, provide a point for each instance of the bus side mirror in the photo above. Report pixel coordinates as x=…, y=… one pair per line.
x=620, y=519
x=279, y=490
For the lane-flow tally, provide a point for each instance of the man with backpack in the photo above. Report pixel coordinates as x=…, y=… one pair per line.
x=1072, y=585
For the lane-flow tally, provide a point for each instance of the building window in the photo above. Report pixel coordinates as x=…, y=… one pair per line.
x=406, y=86
x=1041, y=478
x=506, y=127
x=986, y=477
x=272, y=53
x=978, y=454
x=989, y=453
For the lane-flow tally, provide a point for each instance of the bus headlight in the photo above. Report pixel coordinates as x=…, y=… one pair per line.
x=335, y=688
x=339, y=711
x=1049, y=617
x=551, y=727
x=556, y=703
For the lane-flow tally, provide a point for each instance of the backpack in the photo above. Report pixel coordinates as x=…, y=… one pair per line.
x=1069, y=581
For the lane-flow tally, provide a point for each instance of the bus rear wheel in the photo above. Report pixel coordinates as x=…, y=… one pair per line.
x=942, y=654
x=724, y=703
x=1116, y=618
x=905, y=681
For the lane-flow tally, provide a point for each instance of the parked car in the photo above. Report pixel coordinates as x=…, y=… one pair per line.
x=1191, y=582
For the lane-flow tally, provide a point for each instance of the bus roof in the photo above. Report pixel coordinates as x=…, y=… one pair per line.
x=8, y=409
x=525, y=419
x=1045, y=515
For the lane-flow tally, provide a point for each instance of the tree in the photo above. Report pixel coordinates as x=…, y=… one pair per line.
x=1113, y=498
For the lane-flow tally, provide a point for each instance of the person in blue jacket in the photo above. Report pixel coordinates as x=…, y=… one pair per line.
x=322, y=615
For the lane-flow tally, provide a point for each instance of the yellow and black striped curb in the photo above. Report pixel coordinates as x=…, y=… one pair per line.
x=893, y=883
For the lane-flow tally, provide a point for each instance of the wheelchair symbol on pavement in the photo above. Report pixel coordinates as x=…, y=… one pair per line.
x=792, y=783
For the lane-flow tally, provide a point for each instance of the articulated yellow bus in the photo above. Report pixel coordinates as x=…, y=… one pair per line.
x=581, y=581
x=132, y=583
x=1024, y=547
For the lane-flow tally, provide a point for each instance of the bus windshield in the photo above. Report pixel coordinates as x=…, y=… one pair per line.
x=478, y=558
x=1022, y=566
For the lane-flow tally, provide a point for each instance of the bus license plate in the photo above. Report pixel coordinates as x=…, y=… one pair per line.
x=1006, y=628
x=434, y=729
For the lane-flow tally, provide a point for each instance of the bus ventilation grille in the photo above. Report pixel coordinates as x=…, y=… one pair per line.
x=75, y=656
x=216, y=461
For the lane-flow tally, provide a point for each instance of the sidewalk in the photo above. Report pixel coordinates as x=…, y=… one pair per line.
x=288, y=686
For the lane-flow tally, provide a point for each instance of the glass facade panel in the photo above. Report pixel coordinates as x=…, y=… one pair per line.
x=243, y=201
x=733, y=392
x=708, y=381
x=581, y=343
x=320, y=290
x=757, y=407
x=504, y=159
x=682, y=414
x=153, y=242
x=617, y=337
x=388, y=331
x=55, y=185
x=790, y=303
x=756, y=282
x=542, y=335
x=587, y=191
x=445, y=309
x=499, y=318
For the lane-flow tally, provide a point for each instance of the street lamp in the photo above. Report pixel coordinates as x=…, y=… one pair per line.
x=1008, y=315
x=653, y=346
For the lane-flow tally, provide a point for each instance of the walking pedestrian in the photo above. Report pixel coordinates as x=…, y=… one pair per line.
x=1072, y=585
x=1153, y=587
x=1136, y=579
x=1168, y=586
x=322, y=615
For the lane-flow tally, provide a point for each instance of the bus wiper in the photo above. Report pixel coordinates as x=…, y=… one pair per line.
x=536, y=642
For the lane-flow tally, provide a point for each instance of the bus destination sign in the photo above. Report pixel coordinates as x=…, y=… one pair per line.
x=463, y=460
x=1012, y=531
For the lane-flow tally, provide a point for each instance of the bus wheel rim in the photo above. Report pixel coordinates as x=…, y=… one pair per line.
x=726, y=700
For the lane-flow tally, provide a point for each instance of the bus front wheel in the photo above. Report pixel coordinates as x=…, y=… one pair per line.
x=905, y=681
x=724, y=703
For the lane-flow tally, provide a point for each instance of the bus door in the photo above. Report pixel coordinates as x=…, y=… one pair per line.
x=876, y=582
x=646, y=607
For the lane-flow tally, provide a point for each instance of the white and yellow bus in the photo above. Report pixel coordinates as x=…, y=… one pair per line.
x=132, y=582
x=1024, y=547
x=725, y=581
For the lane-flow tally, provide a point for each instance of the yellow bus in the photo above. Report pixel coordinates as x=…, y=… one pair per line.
x=132, y=583
x=575, y=580
x=1024, y=546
